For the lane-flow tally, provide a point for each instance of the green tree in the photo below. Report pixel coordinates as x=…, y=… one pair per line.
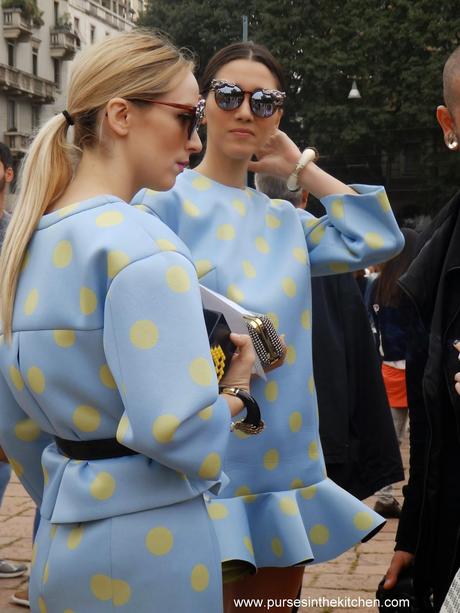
x=394, y=48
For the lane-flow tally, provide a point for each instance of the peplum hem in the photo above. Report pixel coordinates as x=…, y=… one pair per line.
x=306, y=525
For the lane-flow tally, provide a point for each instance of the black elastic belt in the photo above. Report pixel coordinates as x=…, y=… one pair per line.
x=101, y=449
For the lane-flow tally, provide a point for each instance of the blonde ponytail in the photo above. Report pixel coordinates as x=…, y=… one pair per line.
x=138, y=65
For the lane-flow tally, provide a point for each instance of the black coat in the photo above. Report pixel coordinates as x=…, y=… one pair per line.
x=430, y=520
x=356, y=429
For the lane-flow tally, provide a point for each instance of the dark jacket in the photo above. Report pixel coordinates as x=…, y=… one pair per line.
x=430, y=520
x=356, y=428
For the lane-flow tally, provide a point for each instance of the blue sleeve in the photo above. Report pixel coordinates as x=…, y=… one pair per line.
x=157, y=348
x=22, y=440
x=357, y=231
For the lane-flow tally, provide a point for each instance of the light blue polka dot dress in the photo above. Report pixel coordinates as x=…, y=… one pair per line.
x=109, y=341
x=279, y=508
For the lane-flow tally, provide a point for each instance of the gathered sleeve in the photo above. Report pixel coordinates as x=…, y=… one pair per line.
x=357, y=231
x=22, y=440
x=157, y=349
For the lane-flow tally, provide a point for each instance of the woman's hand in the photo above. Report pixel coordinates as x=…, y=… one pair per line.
x=240, y=371
x=399, y=561
x=278, y=156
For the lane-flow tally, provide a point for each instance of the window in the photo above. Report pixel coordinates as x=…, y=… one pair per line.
x=11, y=54
x=76, y=24
x=56, y=13
x=35, y=62
x=57, y=73
x=11, y=116
x=35, y=118
x=92, y=34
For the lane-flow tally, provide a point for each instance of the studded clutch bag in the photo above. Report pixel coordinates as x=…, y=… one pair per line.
x=267, y=343
x=222, y=348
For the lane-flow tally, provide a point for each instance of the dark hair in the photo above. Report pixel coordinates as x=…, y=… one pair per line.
x=5, y=156
x=387, y=292
x=241, y=51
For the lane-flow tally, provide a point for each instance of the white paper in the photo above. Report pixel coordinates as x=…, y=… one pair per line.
x=233, y=313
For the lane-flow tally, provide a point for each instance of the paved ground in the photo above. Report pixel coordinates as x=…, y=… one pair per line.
x=355, y=574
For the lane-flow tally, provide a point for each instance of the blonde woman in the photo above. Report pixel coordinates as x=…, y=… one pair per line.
x=106, y=377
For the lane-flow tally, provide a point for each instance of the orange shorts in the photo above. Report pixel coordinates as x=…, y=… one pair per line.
x=395, y=385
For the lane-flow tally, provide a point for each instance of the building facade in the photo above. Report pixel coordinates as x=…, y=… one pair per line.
x=36, y=53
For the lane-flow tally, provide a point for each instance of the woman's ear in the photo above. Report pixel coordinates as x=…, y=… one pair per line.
x=280, y=116
x=118, y=115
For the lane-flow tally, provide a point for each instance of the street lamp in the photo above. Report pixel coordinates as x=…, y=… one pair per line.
x=354, y=92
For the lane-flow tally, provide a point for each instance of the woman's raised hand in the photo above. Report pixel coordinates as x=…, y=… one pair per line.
x=278, y=156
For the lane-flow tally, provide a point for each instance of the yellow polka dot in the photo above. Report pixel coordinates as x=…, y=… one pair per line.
x=210, y=468
x=199, y=578
x=319, y=534
x=274, y=319
x=363, y=520
x=384, y=202
x=225, y=232
x=289, y=287
x=116, y=261
x=202, y=183
x=271, y=391
x=64, y=338
x=121, y=592
x=101, y=586
x=165, y=245
x=249, y=192
x=306, y=319
x=164, y=428
x=337, y=208
x=308, y=492
x=277, y=201
x=310, y=223
x=201, y=372
x=271, y=459
x=62, y=254
x=66, y=210
x=374, y=240
x=296, y=484
x=53, y=530
x=234, y=293
x=88, y=301
x=262, y=245
x=190, y=209
x=106, y=377
x=203, y=267
x=86, y=418
x=245, y=492
x=16, y=466
x=27, y=430
x=31, y=302
x=249, y=269
x=317, y=234
x=41, y=605
x=75, y=536
x=217, y=510
x=240, y=207
x=272, y=221
x=277, y=547
x=144, y=334
x=141, y=207
x=34, y=554
x=339, y=267
x=248, y=544
x=159, y=541
x=103, y=486
x=123, y=426
x=206, y=413
x=288, y=506
x=36, y=380
x=16, y=378
x=109, y=219
x=46, y=476
x=300, y=254
x=291, y=355
x=241, y=435
x=295, y=421
x=313, y=452
x=311, y=384
x=177, y=279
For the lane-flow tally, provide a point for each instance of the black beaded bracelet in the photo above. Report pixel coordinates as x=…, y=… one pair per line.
x=252, y=423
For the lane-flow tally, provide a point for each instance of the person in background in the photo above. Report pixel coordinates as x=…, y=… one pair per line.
x=7, y=569
x=352, y=404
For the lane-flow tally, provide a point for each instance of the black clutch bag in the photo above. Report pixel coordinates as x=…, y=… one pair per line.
x=222, y=348
x=401, y=598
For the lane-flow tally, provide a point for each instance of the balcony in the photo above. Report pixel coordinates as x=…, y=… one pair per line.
x=15, y=26
x=18, y=142
x=63, y=43
x=20, y=84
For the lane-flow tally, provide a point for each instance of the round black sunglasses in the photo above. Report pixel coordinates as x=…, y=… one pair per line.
x=263, y=102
